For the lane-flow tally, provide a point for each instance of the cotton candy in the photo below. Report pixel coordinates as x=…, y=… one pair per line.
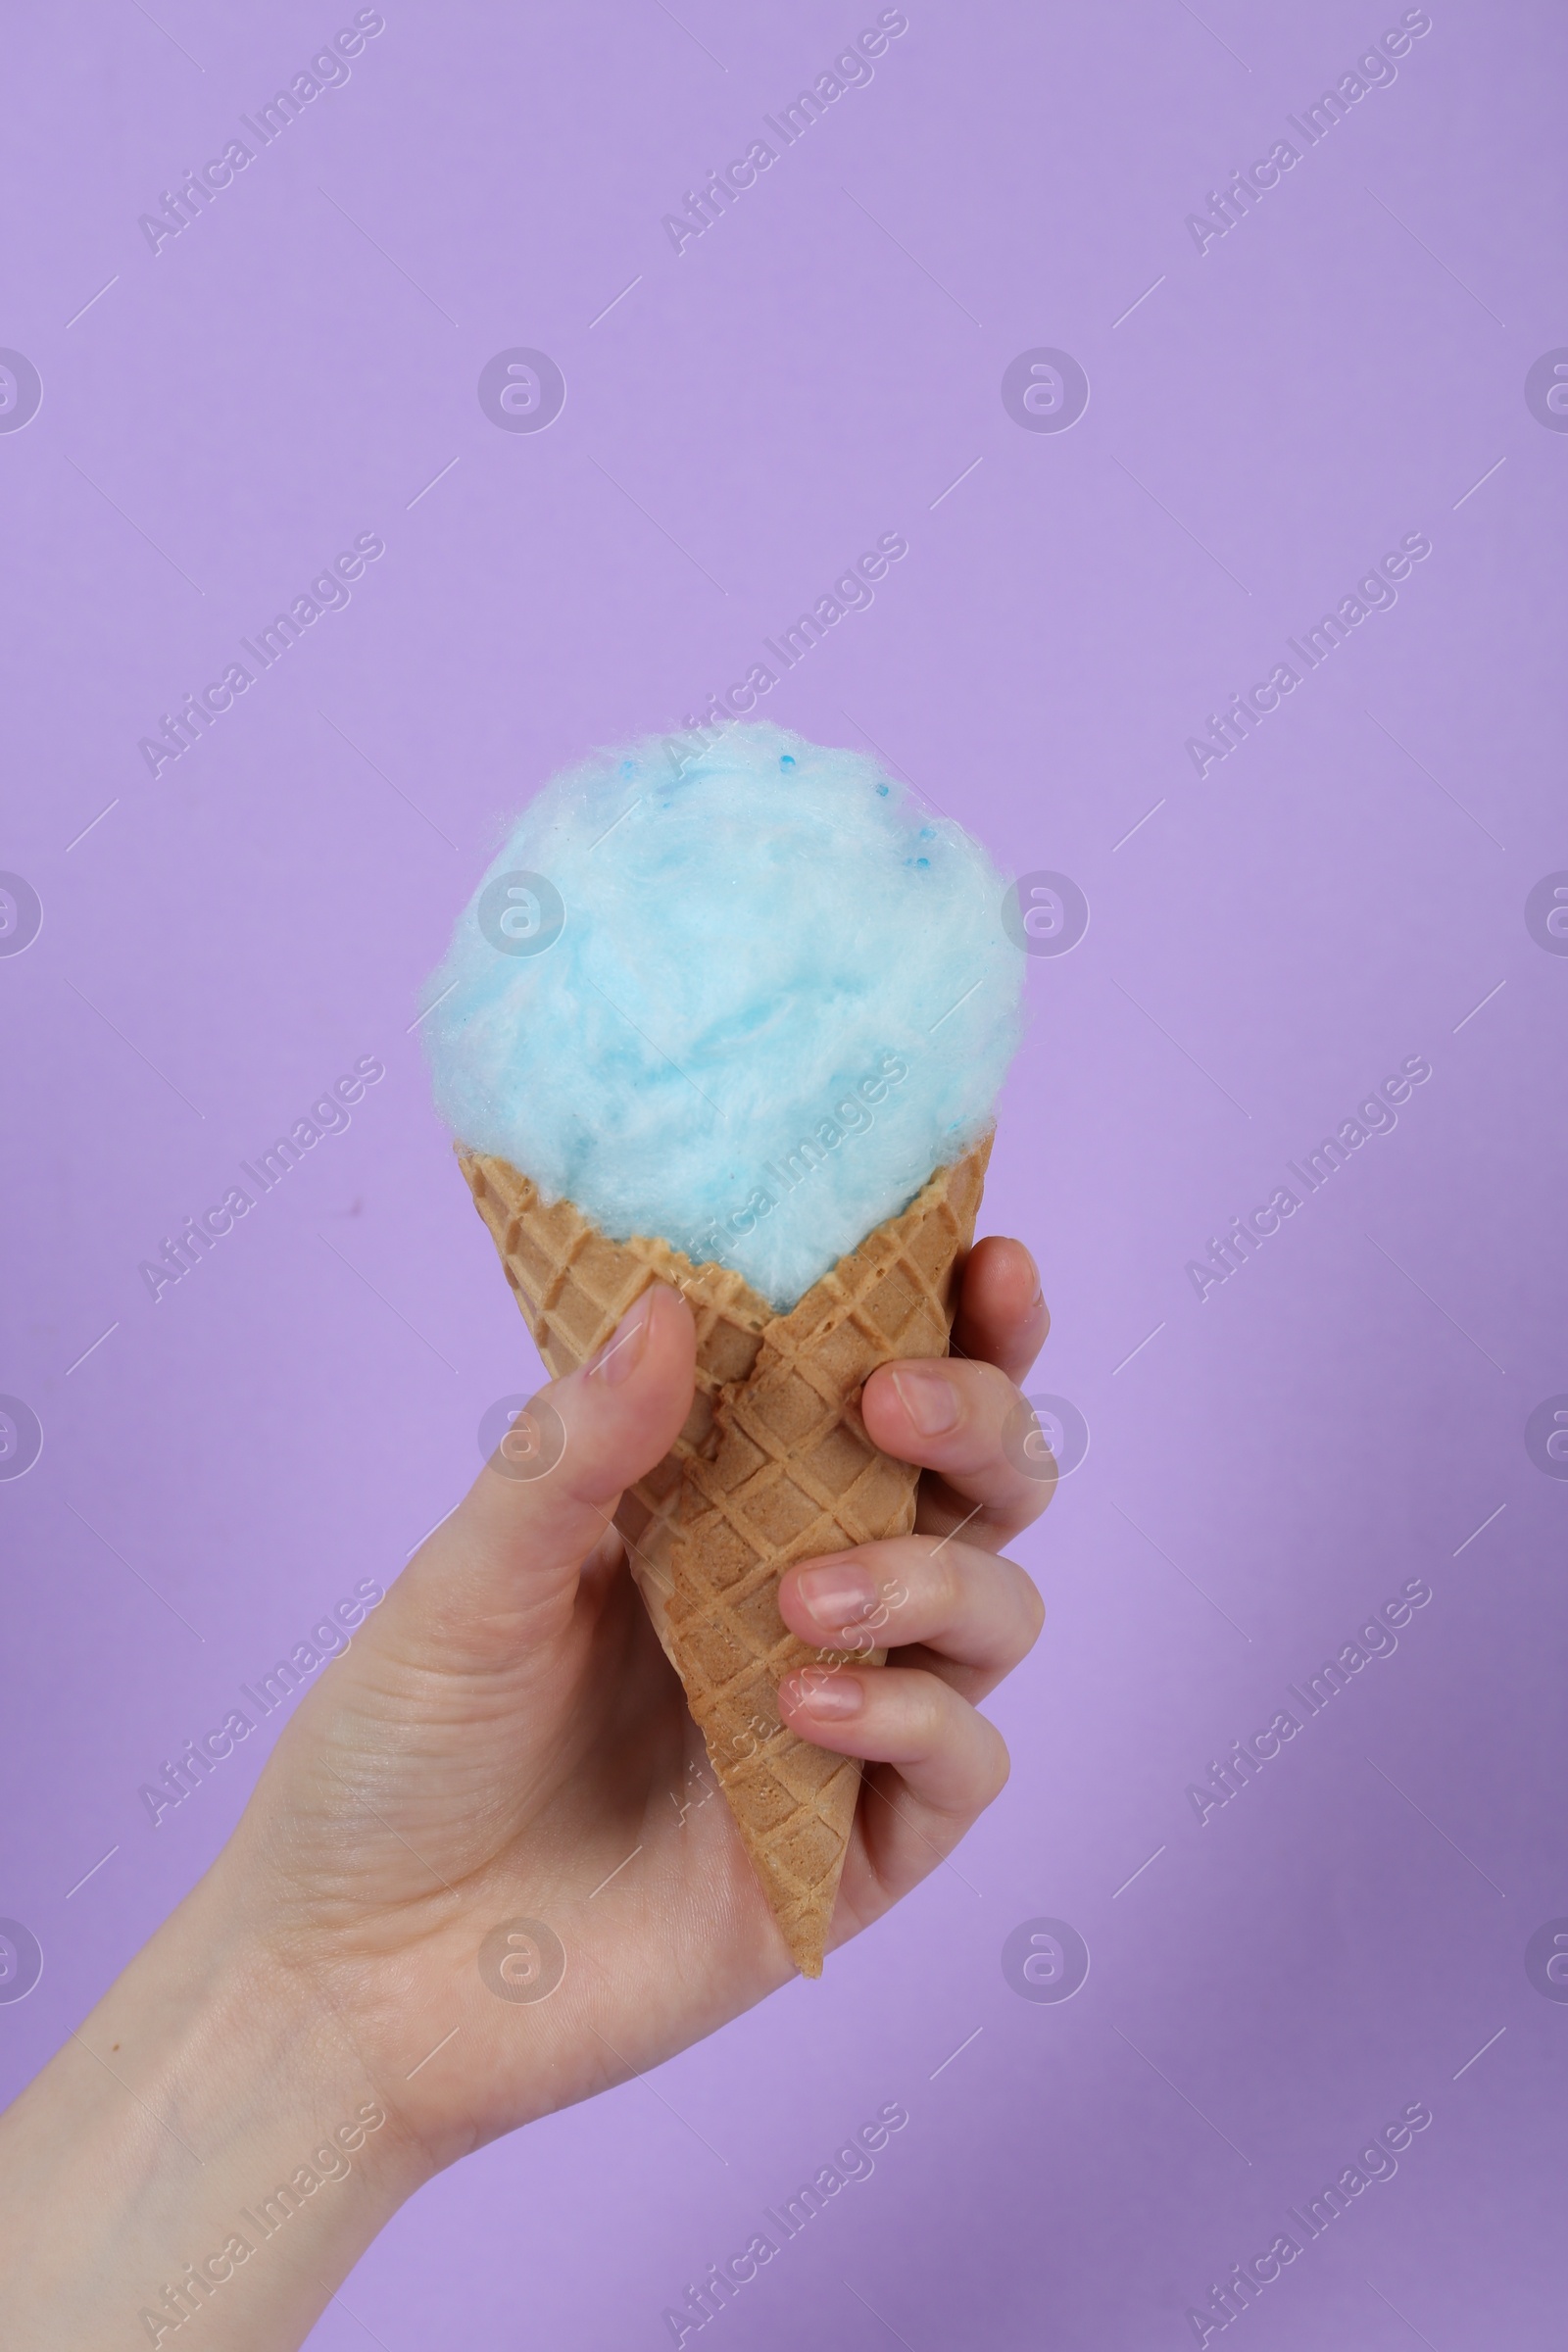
x=746, y=995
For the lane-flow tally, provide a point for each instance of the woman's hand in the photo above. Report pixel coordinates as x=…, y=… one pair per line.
x=488, y=1871
x=507, y=1741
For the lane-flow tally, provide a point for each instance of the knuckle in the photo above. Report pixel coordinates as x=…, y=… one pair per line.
x=942, y=1582
x=992, y=1394
x=1036, y=1494
x=996, y=1764
x=932, y=1708
x=1031, y=1606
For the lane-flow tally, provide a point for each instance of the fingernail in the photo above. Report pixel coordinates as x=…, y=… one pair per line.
x=837, y=1593
x=622, y=1353
x=1039, y=1296
x=929, y=1398
x=830, y=1697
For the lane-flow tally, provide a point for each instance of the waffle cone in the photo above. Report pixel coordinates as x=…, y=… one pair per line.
x=773, y=1465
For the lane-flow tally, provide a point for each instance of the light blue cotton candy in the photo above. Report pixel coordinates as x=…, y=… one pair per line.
x=781, y=996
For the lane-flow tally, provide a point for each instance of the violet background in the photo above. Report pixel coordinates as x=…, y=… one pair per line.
x=1345, y=367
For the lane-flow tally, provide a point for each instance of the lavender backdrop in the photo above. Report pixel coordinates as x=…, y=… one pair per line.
x=1272, y=410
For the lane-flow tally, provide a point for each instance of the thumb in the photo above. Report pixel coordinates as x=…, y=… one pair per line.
x=500, y=1576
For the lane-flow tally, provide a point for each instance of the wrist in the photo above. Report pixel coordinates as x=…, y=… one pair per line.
x=208, y=2140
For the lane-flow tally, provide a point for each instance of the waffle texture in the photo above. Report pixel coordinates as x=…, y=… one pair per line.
x=773, y=1465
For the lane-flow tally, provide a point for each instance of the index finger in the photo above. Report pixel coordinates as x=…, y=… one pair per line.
x=1003, y=1319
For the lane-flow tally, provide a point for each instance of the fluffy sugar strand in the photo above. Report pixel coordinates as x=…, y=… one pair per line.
x=746, y=998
